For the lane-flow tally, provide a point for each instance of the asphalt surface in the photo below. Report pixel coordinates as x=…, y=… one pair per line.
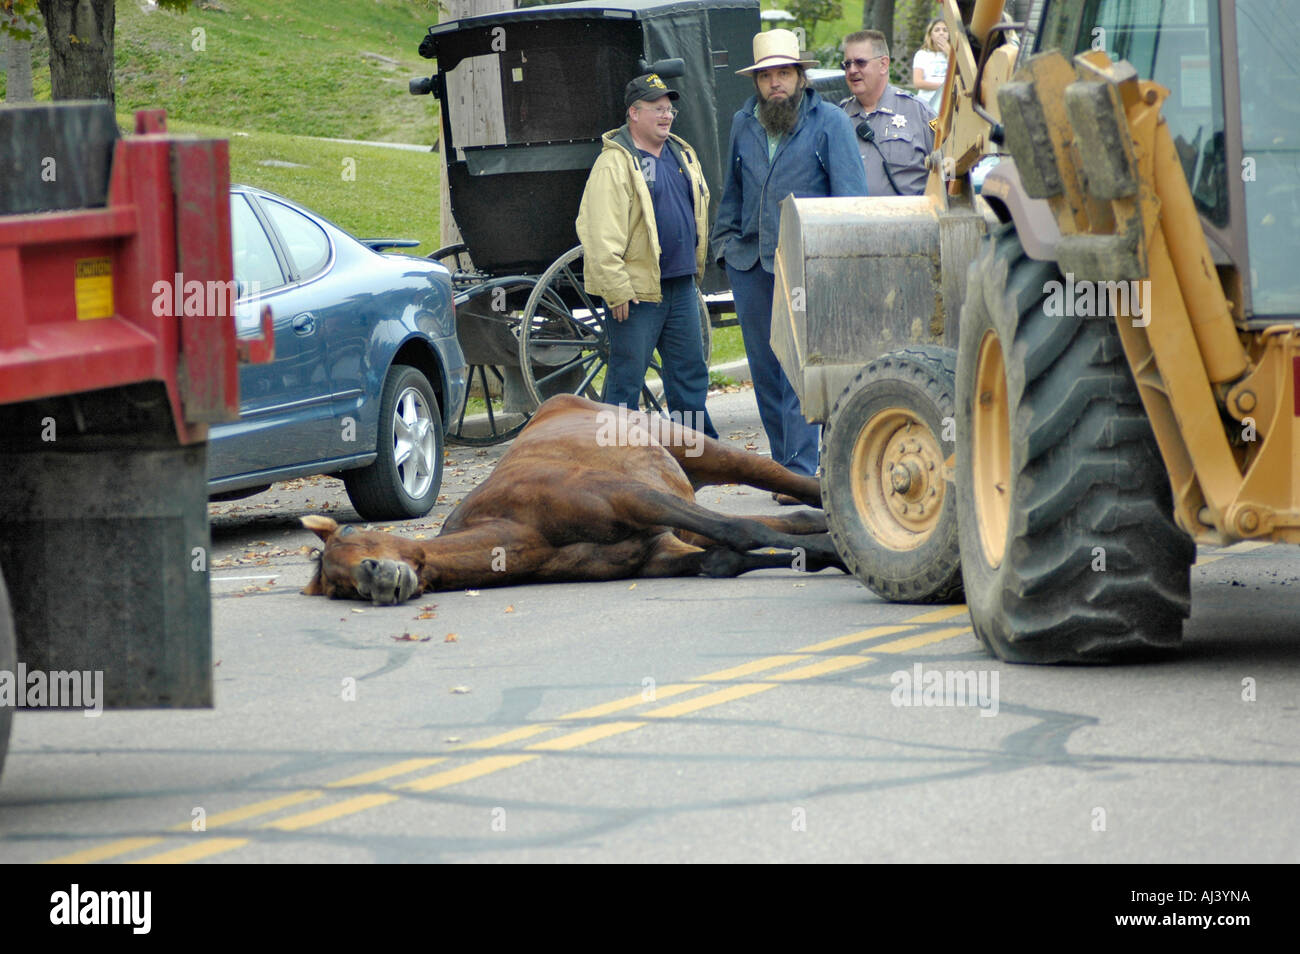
x=755, y=719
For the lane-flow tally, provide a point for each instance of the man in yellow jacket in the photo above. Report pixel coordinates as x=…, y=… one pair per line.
x=643, y=224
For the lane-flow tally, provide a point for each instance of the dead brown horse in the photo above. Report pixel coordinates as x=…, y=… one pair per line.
x=587, y=492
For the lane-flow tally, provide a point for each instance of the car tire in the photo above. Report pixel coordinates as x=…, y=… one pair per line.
x=895, y=416
x=404, y=480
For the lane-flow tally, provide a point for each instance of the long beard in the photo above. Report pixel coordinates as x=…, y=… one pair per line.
x=778, y=116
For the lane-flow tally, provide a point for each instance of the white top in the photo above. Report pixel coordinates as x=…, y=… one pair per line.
x=934, y=67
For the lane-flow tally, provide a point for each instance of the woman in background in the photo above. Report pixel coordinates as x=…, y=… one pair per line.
x=930, y=65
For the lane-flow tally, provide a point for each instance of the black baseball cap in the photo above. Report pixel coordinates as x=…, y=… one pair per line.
x=647, y=87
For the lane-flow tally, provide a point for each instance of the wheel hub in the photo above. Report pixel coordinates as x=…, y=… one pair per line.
x=413, y=443
x=897, y=471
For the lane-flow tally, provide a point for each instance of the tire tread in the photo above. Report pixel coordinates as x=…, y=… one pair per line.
x=1088, y=481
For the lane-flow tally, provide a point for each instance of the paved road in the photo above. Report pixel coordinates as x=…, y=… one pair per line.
x=756, y=719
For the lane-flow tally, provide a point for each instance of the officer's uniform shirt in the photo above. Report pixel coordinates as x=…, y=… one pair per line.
x=901, y=123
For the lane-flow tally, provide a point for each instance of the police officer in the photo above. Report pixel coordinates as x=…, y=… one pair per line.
x=895, y=129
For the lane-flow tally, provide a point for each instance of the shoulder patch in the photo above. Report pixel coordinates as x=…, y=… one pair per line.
x=934, y=124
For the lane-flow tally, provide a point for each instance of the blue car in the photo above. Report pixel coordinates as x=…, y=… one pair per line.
x=366, y=363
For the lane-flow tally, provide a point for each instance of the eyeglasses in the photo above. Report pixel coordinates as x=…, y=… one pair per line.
x=861, y=63
x=660, y=111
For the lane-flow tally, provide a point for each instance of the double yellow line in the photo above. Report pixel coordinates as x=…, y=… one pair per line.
x=206, y=847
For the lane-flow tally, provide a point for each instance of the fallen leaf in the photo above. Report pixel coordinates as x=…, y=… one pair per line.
x=452, y=638
x=412, y=638
x=426, y=615
x=460, y=690
x=471, y=592
x=452, y=738
x=358, y=611
x=510, y=609
x=632, y=587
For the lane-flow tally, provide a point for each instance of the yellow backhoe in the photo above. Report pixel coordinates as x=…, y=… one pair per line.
x=1046, y=395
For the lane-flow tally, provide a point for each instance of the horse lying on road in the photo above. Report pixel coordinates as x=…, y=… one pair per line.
x=587, y=492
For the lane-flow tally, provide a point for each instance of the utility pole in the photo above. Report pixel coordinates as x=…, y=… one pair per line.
x=474, y=98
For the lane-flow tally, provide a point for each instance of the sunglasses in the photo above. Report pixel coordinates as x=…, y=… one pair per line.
x=860, y=63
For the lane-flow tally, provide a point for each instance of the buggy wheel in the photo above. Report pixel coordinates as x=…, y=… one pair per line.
x=563, y=346
x=888, y=503
x=482, y=418
x=706, y=328
x=1068, y=545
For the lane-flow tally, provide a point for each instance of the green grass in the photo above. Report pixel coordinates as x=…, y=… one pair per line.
x=289, y=66
x=394, y=192
x=727, y=345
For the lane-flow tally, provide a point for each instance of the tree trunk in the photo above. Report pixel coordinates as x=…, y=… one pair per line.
x=921, y=13
x=18, y=85
x=879, y=15
x=884, y=12
x=81, y=47
x=18, y=67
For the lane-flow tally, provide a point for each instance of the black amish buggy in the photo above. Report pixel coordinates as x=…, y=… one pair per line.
x=525, y=97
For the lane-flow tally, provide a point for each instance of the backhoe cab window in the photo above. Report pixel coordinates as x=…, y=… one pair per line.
x=1270, y=139
x=1177, y=45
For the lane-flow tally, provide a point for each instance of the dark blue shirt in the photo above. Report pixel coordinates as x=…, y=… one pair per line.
x=670, y=191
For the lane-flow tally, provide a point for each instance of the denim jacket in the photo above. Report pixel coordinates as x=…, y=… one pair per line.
x=819, y=158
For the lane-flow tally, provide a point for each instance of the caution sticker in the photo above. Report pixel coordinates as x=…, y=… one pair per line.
x=94, y=288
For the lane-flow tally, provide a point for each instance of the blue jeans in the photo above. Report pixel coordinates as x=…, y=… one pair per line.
x=673, y=326
x=792, y=439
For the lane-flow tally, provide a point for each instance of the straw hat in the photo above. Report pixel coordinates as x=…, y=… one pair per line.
x=776, y=48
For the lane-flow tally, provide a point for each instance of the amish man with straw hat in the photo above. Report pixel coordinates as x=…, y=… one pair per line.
x=785, y=140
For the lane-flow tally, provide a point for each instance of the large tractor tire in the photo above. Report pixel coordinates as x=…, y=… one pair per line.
x=888, y=505
x=1068, y=545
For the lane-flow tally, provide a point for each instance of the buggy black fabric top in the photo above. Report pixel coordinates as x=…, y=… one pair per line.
x=626, y=9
